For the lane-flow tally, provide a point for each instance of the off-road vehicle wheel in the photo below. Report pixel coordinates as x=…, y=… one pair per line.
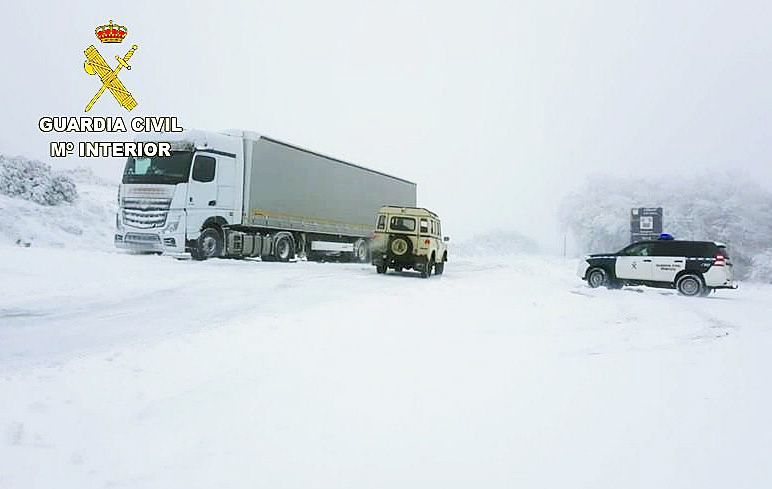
x=596, y=277
x=208, y=245
x=380, y=268
x=439, y=268
x=426, y=270
x=690, y=285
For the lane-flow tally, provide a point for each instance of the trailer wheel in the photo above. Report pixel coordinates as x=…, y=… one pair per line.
x=361, y=251
x=208, y=245
x=283, y=250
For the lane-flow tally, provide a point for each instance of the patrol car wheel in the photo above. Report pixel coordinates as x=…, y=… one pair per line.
x=596, y=278
x=689, y=285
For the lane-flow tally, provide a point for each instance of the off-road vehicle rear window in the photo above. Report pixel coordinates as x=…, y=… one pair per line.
x=399, y=223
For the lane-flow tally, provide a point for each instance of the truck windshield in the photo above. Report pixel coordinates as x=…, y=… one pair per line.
x=172, y=169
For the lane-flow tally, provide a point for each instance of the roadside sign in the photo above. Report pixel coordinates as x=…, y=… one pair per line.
x=645, y=223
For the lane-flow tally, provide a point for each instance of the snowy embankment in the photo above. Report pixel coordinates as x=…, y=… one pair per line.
x=143, y=371
x=44, y=208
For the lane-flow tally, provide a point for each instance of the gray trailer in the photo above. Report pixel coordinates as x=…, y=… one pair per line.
x=293, y=189
x=241, y=194
x=325, y=205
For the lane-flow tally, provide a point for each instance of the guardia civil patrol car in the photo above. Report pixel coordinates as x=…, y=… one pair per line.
x=694, y=268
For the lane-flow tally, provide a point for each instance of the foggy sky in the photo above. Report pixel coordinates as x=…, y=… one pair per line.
x=495, y=109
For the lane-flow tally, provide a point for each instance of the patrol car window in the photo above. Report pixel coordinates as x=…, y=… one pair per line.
x=398, y=223
x=638, y=250
x=424, y=226
x=664, y=248
x=381, y=222
x=691, y=249
x=683, y=249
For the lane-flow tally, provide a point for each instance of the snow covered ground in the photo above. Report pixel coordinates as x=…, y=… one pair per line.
x=141, y=371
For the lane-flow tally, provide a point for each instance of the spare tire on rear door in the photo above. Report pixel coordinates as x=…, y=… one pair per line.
x=400, y=246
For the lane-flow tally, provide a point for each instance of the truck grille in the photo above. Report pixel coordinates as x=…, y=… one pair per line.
x=142, y=238
x=145, y=213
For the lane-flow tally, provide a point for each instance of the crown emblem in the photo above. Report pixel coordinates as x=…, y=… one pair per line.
x=111, y=32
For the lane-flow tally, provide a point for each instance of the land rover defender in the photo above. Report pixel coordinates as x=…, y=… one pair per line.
x=409, y=238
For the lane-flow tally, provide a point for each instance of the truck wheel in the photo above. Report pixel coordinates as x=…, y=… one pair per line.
x=439, y=268
x=208, y=245
x=380, y=268
x=596, y=278
x=283, y=251
x=690, y=285
x=361, y=251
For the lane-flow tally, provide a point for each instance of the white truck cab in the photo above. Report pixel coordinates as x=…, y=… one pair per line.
x=164, y=202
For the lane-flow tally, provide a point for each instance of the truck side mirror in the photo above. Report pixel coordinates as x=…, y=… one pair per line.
x=446, y=239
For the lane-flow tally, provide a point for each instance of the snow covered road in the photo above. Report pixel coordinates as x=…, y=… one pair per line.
x=141, y=371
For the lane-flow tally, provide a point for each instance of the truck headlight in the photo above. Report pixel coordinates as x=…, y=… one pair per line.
x=172, y=225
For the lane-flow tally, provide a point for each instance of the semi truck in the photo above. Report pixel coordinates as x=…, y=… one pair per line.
x=242, y=194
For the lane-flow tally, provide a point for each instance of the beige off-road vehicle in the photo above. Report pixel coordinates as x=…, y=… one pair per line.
x=408, y=238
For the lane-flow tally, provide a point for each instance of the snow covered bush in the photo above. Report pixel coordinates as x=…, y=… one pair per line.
x=732, y=210
x=35, y=181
